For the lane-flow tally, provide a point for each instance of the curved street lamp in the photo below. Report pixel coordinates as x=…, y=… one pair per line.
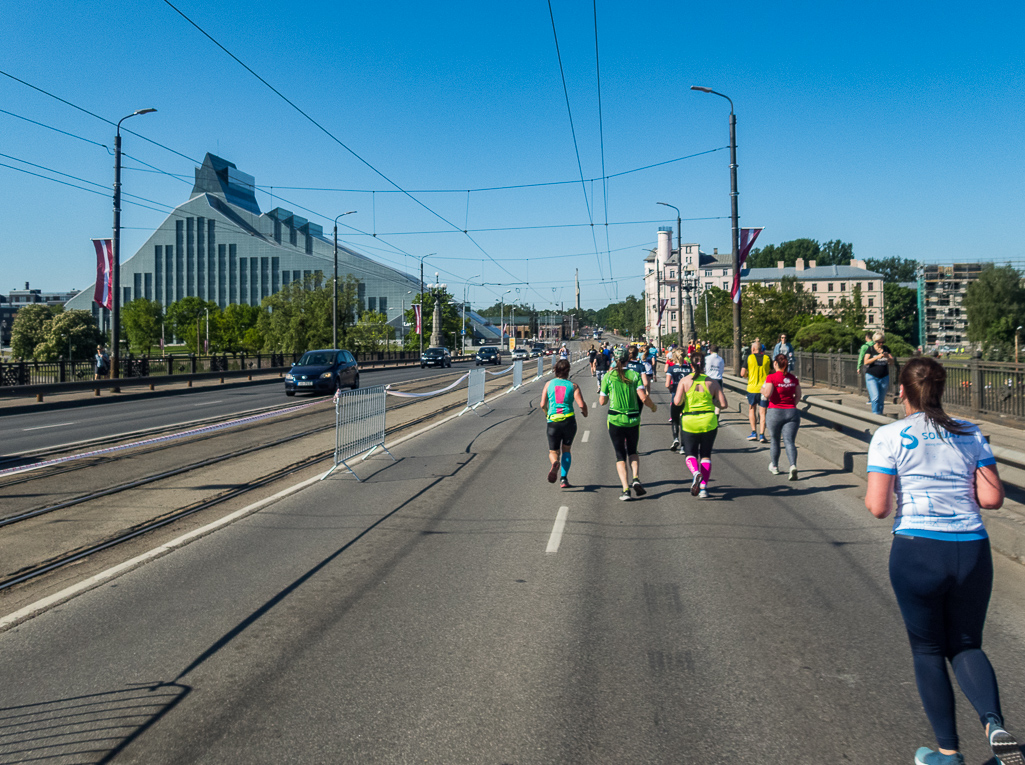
x=734, y=218
x=115, y=277
x=334, y=296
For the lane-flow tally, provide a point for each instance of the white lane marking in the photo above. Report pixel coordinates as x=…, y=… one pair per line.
x=594, y=405
x=44, y=427
x=587, y=435
x=557, y=529
x=209, y=403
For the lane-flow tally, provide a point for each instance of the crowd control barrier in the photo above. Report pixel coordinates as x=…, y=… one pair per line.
x=517, y=374
x=475, y=391
x=540, y=368
x=359, y=426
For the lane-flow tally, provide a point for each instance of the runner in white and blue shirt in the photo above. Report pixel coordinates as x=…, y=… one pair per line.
x=935, y=472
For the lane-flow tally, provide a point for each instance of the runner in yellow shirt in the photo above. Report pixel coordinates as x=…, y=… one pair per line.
x=758, y=367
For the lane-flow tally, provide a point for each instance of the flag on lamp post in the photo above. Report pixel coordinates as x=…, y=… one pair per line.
x=747, y=240
x=103, y=294
x=419, y=325
x=661, y=310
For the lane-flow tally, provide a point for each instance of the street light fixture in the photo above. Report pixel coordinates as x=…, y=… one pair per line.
x=115, y=277
x=334, y=296
x=734, y=219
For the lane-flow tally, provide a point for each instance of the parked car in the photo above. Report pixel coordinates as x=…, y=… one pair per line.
x=489, y=354
x=520, y=354
x=323, y=371
x=436, y=357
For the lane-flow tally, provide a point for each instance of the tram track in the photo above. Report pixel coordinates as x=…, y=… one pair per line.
x=66, y=558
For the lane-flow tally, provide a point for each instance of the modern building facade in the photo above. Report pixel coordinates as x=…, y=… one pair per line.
x=218, y=246
x=941, y=319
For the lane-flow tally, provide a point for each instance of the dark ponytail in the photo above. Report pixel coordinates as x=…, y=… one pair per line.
x=697, y=362
x=924, y=380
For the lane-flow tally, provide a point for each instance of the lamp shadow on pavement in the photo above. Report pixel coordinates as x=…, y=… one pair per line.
x=786, y=489
x=92, y=728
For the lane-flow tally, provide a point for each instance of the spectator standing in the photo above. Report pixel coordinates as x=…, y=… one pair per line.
x=780, y=395
x=784, y=347
x=865, y=348
x=941, y=568
x=877, y=367
x=757, y=368
x=102, y=361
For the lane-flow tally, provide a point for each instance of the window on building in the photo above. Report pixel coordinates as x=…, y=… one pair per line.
x=688, y=259
x=814, y=287
x=688, y=249
x=708, y=272
x=672, y=301
x=843, y=287
x=871, y=302
x=383, y=306
x=725, y=285
x=831, y=302
x=726, y=272
x=870, y=286
x=673, y=317
x=372, y=304
x=830, y=288
x=672, y=274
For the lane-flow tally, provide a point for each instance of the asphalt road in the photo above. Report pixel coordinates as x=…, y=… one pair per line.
x=430, y=614
x=46, y=429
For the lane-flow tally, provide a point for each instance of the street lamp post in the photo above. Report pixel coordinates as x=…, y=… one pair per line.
x=734, y=219
x=334, y=291
x=115, y=277
x=421, y=333
x=501, y=321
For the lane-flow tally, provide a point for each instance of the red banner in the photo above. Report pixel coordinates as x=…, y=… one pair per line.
x=103, y=295
x=747, y=240
x=661, y=310
x=419, y=322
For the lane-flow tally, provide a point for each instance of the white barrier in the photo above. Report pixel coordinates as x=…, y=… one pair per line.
x=540, y=368
x=359, y=426
x=475, y=391
x=517, y=374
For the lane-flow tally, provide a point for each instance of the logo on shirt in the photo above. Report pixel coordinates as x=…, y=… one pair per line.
x=907, y=440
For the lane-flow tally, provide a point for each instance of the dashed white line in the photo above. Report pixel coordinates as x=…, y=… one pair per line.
x=44, y=427
x=587, y=435
x=557, y=529
x=210, y=403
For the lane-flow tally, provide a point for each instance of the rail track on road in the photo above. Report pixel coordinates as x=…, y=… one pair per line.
x=33, y=541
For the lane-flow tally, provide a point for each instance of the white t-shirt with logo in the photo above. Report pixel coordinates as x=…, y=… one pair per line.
x=714, y=366
x=935, y=472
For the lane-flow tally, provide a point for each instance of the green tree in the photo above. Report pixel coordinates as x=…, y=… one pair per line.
x=371, y=333
x=142, y=319
x=235, y=321
x=451, y=321
x=850, y=311
x=75, y=327
x=769, y=312
x=900, y=312
x=995, y=307
x=29, y=329
x=894, y=269
x=719, y=327
x=832, y=253
x=298, y=318
x=186, y=318
x=827, y=335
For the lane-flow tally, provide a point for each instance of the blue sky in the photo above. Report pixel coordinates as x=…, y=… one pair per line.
x=895, y=126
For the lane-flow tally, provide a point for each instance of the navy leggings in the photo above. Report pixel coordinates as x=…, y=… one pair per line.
x=943, y=590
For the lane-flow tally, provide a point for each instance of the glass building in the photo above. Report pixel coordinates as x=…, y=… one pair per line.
x=218, y=246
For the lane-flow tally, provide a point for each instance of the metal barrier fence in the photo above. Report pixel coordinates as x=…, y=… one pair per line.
x=475, y=391
x=517, y=374
x=359, y=426
x=540, y=368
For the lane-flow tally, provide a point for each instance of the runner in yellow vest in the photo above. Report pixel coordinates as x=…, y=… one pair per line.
x=758, y=367
x=698, y=395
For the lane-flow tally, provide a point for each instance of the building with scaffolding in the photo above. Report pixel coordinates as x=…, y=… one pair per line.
x=941, y=288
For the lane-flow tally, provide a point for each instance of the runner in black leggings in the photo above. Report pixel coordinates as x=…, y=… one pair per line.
x=940, y=563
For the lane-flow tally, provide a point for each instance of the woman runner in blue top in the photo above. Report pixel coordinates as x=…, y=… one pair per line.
x=557, y=401
x=942, y=471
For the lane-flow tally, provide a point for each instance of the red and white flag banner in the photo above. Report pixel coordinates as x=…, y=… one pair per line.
x=419, y=323
x=747, y=240
x=103, y=295
x=661, y=310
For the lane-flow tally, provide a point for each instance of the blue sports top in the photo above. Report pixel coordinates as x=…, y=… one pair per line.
x=935, y=472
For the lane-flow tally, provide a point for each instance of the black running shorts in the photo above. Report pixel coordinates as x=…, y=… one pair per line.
x=562, y=432
x=624, y=440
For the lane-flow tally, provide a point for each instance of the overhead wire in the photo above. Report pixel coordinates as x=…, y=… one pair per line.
x=601, y=137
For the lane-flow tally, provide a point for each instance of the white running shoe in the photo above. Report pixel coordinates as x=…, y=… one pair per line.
x=703, y=494
x=773, y=469
x=793, y=472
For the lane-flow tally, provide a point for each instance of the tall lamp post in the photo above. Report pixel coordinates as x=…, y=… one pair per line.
x=422, y=300
x=734, y=219
x=466, y=287
x=501, y=322
x=115, y=277
x=334, y=291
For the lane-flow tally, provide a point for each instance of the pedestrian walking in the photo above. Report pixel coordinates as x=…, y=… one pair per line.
x=780, y=394
x=602, y=364
x=941, y=569
x=784, y=346
x=756, y=370
x=877, y=372
x=624, y=392
x=674, y=374
x=557, y=400
x=697, y=395
x=102, y=362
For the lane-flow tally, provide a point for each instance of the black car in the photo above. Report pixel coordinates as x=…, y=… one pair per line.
x=538, y=349
x=489, y=354
x=436, y=357
x=322, y=371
